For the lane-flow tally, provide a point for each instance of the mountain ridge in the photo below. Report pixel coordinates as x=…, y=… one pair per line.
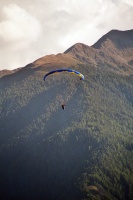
x=105, y=51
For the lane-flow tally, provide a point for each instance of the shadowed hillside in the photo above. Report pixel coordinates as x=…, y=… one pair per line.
x=83, y=152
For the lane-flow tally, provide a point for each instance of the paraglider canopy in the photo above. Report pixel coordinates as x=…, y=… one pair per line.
x=68, y=70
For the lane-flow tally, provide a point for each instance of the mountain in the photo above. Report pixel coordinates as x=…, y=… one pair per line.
x=114, y=51
x=84, y=151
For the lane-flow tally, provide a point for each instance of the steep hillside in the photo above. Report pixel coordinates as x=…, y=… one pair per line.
x=81, y=153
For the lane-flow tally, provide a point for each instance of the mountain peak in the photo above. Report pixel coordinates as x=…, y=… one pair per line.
x=120, y=39
x=82, y=52
x=78, y=47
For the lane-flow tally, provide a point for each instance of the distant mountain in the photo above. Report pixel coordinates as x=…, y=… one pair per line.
x=8, y=72
x=83, y=152
x=5, y=72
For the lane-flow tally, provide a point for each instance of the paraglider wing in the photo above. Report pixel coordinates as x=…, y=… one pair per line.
x=68, y=70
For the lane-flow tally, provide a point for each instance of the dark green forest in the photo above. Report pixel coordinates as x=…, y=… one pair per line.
x=84, y=152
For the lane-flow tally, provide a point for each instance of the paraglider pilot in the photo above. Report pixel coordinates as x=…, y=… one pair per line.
x=63, y=106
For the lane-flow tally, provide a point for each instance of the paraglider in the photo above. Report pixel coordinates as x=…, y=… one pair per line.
x=71, y=71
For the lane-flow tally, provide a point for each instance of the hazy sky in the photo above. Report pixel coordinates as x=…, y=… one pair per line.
x=30, y=29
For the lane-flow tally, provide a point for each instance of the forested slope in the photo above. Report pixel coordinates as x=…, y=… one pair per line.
x=82, y=152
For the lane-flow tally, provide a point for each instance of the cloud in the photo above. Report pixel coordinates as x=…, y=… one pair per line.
x=18, y=31
x=101, y=18
x=18, y=25
x=29, y=30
